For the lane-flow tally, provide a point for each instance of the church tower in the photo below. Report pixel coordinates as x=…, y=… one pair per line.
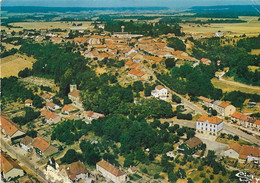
x=73, y=86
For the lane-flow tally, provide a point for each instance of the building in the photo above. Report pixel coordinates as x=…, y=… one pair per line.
x=51, y=106
x=74, y=171
x=9, y=168
x=257, y=125
x=218, y=34
x=26, y=143
x=10, y=130
x=192, y=145
x=110, y=172
x=67, y=109
x=160, y=92
x=233, y=150
x=28, y=103
x=205, y=101
x=205, y=61
x=239, y=118
x=43, y=148
x=244, y=153
x=52, y=118
x=74, y=96
x=88, y=116
x=224, y=108
x=209, y=125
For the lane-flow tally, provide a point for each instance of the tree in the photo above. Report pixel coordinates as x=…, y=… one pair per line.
x=70, y=157
x=190, y=134
x=37, y=101
x=190, y=180
x=206, y=180
x=32, y=133
x=236, y=137
x=181, y=173
x=180, y=131
x=138, y=86
x=170, y=63
x=66, y=100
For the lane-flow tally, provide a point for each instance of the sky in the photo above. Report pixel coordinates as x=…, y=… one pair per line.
x=126, y=3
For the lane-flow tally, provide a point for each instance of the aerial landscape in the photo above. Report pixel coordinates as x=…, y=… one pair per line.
x=130, y=91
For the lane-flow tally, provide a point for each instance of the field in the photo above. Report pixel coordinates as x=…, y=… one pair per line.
x=250, y=28
x=255, y=52
x=10, y=46
x=46, y=25
x=11, y=65
x=228, y=87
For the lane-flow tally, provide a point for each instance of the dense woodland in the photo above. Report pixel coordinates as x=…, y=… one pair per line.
x=235, y=57
x=146, y=29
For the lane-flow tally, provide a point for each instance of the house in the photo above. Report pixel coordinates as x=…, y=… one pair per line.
x=233, y=150
x=218, y=34
x=160, y=92
x=28, y=103
x=10, y=130
x=74, y=171
x=135, y=73
x=42, y=147
x=26, y=143
x=67, y=109
x=74, y=96
x=209, y=125
x=224, y=108
x=90, y=115
x=110, y=172
x=205, y=101
x=47, y=97
x=239, y=118
x=52, y=118
x=9, y=168
x=56, y=39
x=191, y=146
x=257, y=125
x=51, y=106
x=244, y=153
x=205, y=61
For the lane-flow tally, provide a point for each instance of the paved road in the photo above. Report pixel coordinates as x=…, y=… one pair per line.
x=22, y=159
x=184, y=101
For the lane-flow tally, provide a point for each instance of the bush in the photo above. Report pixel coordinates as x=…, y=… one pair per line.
x=156, y=176
x=200, y=168
x=202, y=174
x=211, y=177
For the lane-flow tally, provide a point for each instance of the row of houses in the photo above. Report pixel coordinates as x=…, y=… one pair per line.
x=245, y=121
x=224, y=108
x=244, y=153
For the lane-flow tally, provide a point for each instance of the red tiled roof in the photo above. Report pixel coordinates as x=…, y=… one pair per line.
x=159, y=87
x=8, y=127
x=40, y=144
x=225, y=104
x=235, y=146
x=7, y=163
x=193, y=142
x=205, y=99
x=239, y=115
x=28, y=101
x=135, y=65
x=257, y=122
x=130, y=62
x=50, y=115
x=75, y=93
x=213, y=119
x=110, y=168
x=249, y=150
x=74, y=169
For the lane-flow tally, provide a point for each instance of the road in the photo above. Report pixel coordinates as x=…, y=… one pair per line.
x=227, y=128
x=237, y=83
x=22, y=159
x=184, y=101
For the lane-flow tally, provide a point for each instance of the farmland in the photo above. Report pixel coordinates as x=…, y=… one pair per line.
x=11, y=65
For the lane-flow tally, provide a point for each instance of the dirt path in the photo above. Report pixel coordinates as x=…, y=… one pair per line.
x=238, y=84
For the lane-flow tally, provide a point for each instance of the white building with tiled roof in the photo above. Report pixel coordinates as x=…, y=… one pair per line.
x=160, y=92
x=110, y=172
x=209, y=125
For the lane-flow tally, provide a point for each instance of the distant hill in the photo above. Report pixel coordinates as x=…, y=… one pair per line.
x=40, y=9
x=226, y=11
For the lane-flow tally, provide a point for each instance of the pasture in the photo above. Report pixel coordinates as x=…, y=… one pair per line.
x=11, y=65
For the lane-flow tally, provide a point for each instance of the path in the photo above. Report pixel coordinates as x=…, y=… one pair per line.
x=237, y=83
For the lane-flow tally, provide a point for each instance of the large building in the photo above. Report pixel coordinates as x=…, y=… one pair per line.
x=10, y=130
x=74, y=96
x=160, y=92
x=9, y=168
x=110, y=172
x=209, y=125
x=224, y=108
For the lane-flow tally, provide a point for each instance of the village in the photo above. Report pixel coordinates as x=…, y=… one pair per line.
x=138, y=59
